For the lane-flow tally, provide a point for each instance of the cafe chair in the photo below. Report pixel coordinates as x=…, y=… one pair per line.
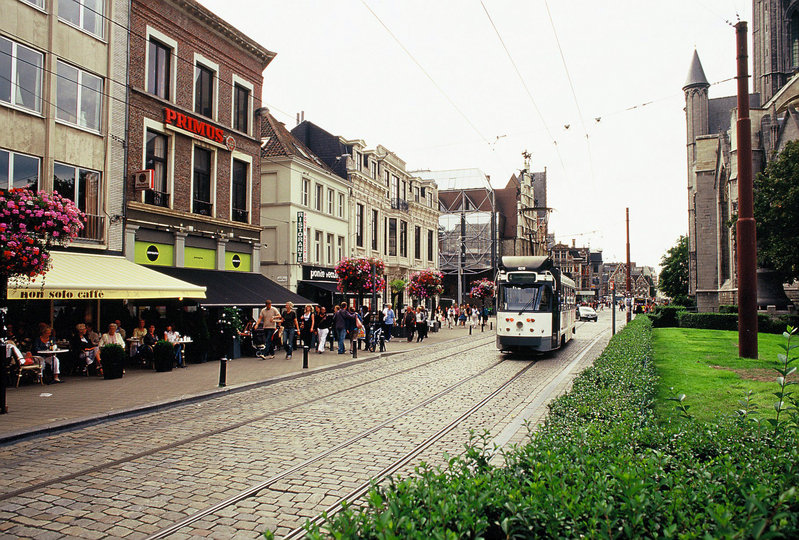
x=35, y=369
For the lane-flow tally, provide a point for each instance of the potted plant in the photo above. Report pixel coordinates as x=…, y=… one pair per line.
x=230, y=325
x=164, y=356
x=113, y=356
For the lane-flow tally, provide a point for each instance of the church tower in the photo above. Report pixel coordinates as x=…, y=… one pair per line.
x=696, y=107
x=775, y=45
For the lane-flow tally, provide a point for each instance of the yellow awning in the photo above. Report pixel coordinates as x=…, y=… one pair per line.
x=84, y=276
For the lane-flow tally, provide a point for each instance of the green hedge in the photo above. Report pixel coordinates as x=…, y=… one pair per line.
x=710, y=321
x=728, y=308
x=600, y=466
x=665, y=316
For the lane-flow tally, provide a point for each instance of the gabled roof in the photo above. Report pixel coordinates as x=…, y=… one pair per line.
x=328, y=147
x=696, y=75
x=277, y=141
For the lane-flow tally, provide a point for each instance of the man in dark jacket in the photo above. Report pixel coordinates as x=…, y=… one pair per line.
x=341, y=321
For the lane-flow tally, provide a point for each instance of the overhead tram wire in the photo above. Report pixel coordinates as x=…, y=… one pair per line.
x=574, y=95
x=419, y=65
x=526, y=88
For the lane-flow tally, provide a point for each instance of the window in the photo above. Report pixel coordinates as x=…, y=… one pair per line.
x=18, y=171
x=38, y=3
x=404, y=192
x=238, y=203
x=416, y=194
x=429, y=245
x=306, y=187
x=403, y=238
x=385, y=236
x=359, y=225
x=374, y=229
x=417, y=242
x=331, y=200
x=373, y=169
x=203, y=91
x=78, y=97
x=392, y=237
x=81, y=186
x=793, y=31
x=202, y=182
x=356, y=157
x=241, y=108
x=158, y=69
x=20, y=75
x=156, y=159
x=317, y=247
x=394, y=192
x=317, y=197
x=329, y=246
x=341, y=205
x=85, y=14
x=340, y=247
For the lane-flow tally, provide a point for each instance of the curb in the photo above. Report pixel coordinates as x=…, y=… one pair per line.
x=75, y=423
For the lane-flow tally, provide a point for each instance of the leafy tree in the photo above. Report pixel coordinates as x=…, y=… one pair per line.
x=777, y=213
x=674, y=275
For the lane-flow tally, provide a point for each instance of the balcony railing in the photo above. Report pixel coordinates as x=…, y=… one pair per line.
x=203, y=208
x=93, y=228
x=156, y=198
x=242, y=216
x=399, y=204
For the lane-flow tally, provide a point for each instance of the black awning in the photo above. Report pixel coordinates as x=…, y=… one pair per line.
x=225, y=288
x=327, y=286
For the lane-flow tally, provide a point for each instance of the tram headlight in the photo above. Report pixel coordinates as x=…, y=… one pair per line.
x=520, y=325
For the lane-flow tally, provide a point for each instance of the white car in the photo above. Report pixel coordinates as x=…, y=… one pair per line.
x=586, y=313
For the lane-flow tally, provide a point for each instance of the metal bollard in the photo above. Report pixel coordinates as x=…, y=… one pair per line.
x=305, y=357
x=491, y=325
x=483, y=327
x=470, y=329
x=354, y=348
x=222, y=371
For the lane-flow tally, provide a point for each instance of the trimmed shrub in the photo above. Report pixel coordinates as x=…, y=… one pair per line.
x=665, y=316
x=708, y=321
x=113, y=360
x=164, y=355
x=600, y=466
x=728, y=308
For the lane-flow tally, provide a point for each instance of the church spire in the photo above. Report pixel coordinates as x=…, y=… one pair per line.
x=696, y=75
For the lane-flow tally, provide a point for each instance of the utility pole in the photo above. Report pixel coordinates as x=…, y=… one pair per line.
x=462, y=248
x=629, y=278
x=745, y=226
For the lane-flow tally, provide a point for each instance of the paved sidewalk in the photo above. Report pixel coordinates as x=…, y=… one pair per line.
x=35, y=408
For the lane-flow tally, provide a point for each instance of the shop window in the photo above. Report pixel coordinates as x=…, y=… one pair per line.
x=18, y=171
x=203, y=91
x=239, y=210
x=159, y=69
x=20, y=75
x=241, y=108
x=78, y=97
x=156, y=159
x=85, y=14
x=201, y=203
x=81, y=186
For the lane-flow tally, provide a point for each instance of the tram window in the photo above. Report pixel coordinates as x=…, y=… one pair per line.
x=546, y=299
x=525, y=297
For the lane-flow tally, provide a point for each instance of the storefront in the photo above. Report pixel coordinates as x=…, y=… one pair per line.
x=320, y=284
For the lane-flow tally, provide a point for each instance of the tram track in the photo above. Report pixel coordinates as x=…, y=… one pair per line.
x=393, y=467
x=235, y=425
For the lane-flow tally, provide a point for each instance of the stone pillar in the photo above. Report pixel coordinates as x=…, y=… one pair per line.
x=256, y=257
x=130, y=242
x=180, y=249
x=220, y=253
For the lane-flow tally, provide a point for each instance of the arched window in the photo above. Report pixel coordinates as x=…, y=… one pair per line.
x=793, y=37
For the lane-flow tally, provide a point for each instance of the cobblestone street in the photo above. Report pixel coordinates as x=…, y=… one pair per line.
x=271, y=456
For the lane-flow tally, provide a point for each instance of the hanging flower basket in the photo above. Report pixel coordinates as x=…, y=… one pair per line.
x=426, y=284
x=355, y=275
x=484, y=288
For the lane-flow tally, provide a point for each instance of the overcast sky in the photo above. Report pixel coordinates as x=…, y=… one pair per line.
x=467, y=107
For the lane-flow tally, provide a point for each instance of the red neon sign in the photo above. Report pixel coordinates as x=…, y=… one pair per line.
x=180, y=120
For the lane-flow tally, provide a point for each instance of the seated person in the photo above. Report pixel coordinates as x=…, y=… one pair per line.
x=85, y=350
x=120, y=329
x=147, y=347
x=93, y=336
x=173, y=337
x=112, y=337
x=45, y=343
x=140, y=331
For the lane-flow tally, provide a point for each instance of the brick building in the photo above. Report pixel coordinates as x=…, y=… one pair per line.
x=194, y=136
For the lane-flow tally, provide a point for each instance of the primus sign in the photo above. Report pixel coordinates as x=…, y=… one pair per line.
x=198, y=127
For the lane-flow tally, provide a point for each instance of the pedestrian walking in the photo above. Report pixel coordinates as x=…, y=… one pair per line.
x=410, y=322
x=388, y=321
x=307, y=326
x=450, y=317
x=323, y=328
x=268, y=319
x=340, y=322
x=290, y=328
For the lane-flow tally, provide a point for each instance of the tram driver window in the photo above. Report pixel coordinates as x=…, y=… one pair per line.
x=545, y=300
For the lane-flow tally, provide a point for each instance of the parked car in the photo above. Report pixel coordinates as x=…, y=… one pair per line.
x=586, y=313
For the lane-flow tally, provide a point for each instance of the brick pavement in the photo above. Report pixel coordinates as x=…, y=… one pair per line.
x=36, y=408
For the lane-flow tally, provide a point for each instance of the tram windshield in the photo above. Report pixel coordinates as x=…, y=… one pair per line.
x=533, y=297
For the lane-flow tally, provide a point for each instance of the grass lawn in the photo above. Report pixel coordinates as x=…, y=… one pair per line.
x=704, y=365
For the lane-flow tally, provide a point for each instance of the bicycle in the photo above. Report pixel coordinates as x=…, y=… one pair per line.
x=376, y=339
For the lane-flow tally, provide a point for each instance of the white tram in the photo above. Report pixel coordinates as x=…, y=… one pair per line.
x=536, y=305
